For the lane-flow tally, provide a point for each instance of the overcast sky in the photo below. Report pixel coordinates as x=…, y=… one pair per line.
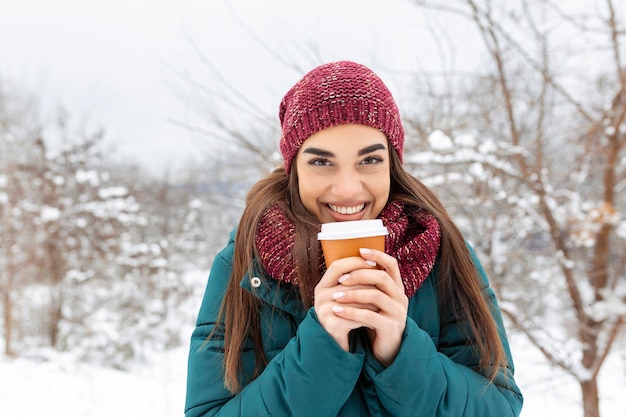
x=110, y=62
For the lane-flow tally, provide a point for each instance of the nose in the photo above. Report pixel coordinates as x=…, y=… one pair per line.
x=347, y=185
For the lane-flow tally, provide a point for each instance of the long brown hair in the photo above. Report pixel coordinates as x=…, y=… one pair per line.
x=458, y=285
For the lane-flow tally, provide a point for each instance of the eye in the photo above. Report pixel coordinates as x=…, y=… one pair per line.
x=372, y=160
x=319, y=162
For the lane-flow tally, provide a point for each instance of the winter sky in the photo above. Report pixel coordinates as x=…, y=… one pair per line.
x=111, y=63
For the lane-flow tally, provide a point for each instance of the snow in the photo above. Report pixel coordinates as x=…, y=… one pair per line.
x=90, y=176
x=59, y=386
x=548, y=391
x=613, y=304
x=621, y=229
x=49, y=214
x=112, y=192
x=440, y=141
x=464, y=140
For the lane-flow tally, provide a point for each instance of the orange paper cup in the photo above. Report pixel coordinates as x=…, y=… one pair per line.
x=344, y=239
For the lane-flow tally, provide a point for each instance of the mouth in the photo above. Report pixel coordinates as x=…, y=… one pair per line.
x=346, y=210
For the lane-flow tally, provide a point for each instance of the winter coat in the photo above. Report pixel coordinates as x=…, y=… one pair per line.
x=309, y=374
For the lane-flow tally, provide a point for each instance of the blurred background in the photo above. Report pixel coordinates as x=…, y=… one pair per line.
x=131, y=131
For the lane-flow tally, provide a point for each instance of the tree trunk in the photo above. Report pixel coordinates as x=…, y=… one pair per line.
x=591, y=401
x=8, y=241
x=56, y=272
x=55, y=321
x=8, y=319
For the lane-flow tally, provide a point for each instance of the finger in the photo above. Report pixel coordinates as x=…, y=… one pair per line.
x=387, y=262
x=340, y=268
x=373, y=278
x=337, y=326
x=359, y=317
x=365, y=295
x=383, y=325
x=373, y=299
x=350, y=299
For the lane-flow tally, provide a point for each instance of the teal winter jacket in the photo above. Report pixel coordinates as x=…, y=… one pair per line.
x=308, y=374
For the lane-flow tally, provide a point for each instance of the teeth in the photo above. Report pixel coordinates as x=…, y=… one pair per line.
x=346, y=210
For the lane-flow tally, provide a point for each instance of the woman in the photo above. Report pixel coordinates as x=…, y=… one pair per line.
x=411, y=331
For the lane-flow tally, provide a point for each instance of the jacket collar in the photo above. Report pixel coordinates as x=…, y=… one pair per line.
x=279, y=295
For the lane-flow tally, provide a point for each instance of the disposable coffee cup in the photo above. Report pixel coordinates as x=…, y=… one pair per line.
x=344, y=239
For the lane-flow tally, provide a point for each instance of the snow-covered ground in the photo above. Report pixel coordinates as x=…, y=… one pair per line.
x=61, y=387
x=548, y=391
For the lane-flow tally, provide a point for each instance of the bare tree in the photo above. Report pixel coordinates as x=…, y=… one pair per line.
x=85, y=266
x=19, y=130
x=535, y=142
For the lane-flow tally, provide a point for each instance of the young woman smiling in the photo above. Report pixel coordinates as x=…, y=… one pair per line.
x=280, y=333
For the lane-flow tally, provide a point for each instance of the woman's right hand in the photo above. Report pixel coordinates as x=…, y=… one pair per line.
x=329, y=289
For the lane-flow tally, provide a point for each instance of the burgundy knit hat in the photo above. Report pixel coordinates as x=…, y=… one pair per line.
x=335, y=94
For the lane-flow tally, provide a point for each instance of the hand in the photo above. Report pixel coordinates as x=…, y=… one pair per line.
x=374, y=298
x=353, y=293
x=328, y=293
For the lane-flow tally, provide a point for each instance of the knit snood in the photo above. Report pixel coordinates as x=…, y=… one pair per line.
x=413, y=239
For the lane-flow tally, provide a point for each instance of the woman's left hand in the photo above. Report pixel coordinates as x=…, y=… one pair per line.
x=383, y=289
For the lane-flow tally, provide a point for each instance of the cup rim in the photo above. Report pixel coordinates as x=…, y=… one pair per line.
x=352, y=229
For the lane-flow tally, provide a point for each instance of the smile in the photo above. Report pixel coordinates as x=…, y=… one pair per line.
x=346, y=210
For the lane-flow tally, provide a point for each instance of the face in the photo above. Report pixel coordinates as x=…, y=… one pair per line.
x=344, y=174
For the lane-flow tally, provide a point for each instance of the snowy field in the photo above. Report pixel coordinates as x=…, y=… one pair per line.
x=61, y=387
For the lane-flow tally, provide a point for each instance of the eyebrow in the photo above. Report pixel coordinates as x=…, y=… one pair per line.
x=372, y=148
x=318, y=152
x=328, y=154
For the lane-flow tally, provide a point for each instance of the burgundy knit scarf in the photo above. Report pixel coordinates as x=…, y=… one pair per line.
x=413, y=239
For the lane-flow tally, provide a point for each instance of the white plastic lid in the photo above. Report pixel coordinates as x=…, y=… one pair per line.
x=352, y=229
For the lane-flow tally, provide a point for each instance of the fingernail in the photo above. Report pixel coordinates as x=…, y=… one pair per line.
x=337, y=309
x=370, y=263
x=338, y=295
x=365, y=251
x=343, y=278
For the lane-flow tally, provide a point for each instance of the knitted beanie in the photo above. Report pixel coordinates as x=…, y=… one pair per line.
x=335, y=94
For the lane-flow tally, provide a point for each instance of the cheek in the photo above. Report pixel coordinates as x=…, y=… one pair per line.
x=380, y=190
x=385, y=187
x=309, y=192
